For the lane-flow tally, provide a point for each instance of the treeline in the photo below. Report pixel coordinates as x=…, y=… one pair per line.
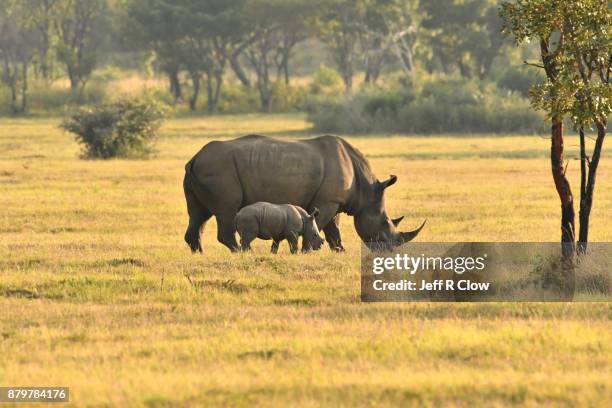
x=207, y=48
x=258, y=38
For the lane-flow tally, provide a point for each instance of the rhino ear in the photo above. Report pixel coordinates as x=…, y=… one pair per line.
x=314, y=212
x=396, y=221
x=387, y=183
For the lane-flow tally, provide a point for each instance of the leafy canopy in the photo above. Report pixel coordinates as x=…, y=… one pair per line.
x=576, y=47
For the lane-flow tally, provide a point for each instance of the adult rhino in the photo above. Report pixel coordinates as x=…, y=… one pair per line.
x=325, y=172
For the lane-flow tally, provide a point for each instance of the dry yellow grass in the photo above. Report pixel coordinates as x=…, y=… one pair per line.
x=93, y=293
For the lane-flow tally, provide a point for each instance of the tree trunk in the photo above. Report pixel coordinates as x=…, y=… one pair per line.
x=175, y=85
x=563, y=189
x=24, y=87
x=74, y=84
x=347, y=78
x=584, y=219
x=13, y=86
x=286, y=70
x=588, y=184
x=44, y=58
x=217, y=92
x=237, y=68
x=407, y=60
x=264, y=96
x=464, y=69
x=193, y=101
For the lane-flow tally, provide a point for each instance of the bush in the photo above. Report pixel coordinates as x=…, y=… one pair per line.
x=54, y=99
x=125, y=128
x=235, y=98
x=326, y=80
x=441, y=106
x=288, y=98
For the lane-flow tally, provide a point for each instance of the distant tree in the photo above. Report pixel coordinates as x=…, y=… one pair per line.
x=463, y=34
x=40, y=14
x=157, y=26
x=296, y=20
x=261, y=51
x=18, y=42
x=277, y=26
x=576, y=53
x=79, y=26
x=340, y=28
x=196, y=36
x=390, y=28
x=210, y=31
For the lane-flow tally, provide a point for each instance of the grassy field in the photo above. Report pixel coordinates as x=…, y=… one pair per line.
x=94, y=293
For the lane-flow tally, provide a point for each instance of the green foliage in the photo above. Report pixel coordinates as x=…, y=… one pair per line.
x=574, y=38
x=520, y=79
x=325, y=80
x=288, y=98
x=449, y=106
x=238, y=99
x=125, y=128
x=462, y=35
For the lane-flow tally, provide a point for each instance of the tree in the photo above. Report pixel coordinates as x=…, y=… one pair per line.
x=576, y=52
x=340, y=29
x=80, y=33
x=278, y=25
x=296, y=19
x=18, y=42
x=211, y=28
x=463, y=34
x=198, y=37
x=41, y=13
x=158, y=27
x=390, y=27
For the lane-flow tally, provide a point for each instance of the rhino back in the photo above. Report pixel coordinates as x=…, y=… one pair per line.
x=272, y=220
x=256, y=168
x=277, y=171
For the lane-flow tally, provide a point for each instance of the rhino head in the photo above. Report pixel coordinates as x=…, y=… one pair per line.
x=374, y=226
x=312, y=238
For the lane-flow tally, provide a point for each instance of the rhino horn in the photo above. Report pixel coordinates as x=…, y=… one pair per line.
x=396, y=221
x=410, y=235
x=388, y=183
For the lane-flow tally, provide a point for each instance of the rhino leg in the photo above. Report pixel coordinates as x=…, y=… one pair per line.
x=226, y=230
x=245, y=243
x=274, y=248
x=332, y=234
x=293, y=244
x=198, y=215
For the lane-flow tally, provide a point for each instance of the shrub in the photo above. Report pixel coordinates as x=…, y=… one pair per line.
x=326, y=80
x=125, y=128
x=441, y=106
x=339, y=116
x=235, y=98
x=288, y=98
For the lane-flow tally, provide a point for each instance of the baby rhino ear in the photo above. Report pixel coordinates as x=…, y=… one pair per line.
x=314, y=213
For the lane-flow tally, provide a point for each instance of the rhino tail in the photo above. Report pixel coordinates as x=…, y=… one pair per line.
x=192, y=185
x=196, y=208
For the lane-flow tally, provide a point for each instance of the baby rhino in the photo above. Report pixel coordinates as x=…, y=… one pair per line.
x=278, y=222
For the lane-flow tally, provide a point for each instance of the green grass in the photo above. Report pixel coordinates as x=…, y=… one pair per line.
x=94, y=292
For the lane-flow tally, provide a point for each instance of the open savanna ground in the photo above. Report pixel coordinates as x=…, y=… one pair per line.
x=98, y=291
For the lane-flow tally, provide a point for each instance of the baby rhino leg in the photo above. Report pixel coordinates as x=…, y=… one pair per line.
x=293, y=243
x=245, y=242
x=275, y=244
